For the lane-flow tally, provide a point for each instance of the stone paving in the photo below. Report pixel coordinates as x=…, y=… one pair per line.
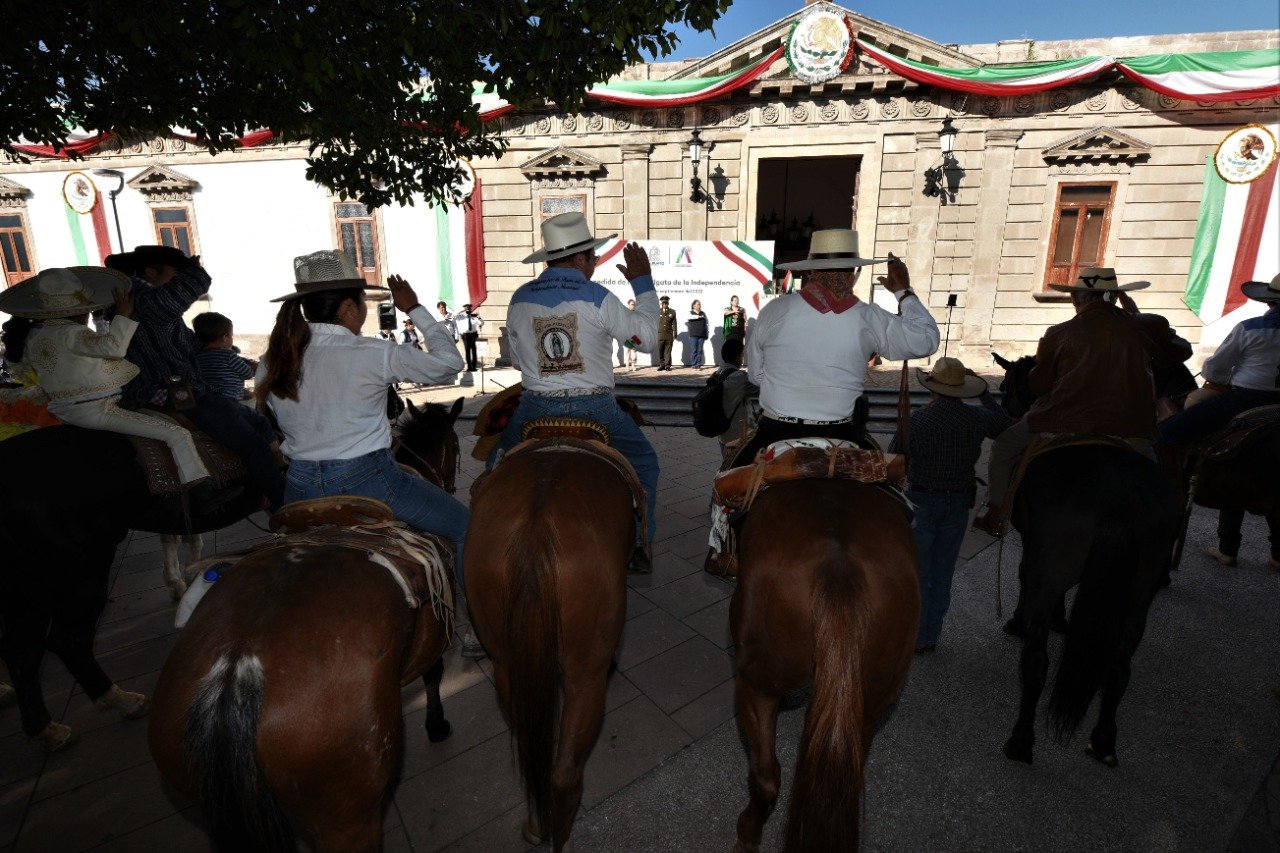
x=1199, y=727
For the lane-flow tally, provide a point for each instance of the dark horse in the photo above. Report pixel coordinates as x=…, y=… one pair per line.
x=68, y=497
x=834, y=603
x=1101, y=517
x=279, y=708
x=551, y=533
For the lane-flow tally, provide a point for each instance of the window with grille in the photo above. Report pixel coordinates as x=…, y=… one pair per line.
x=358, y=237
x=15, y=252
x=175, y=228
x=554, y=205
x=1078, y=237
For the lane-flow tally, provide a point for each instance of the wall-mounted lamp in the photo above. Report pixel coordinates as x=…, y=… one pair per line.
x=696, y=195
x=119, y=176
x=935, y=178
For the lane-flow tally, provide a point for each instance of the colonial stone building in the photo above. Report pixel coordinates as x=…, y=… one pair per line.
x=1105, y=172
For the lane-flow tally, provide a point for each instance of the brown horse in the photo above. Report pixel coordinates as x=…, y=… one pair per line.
x=551, y=533
x=835, y=603
x=279, y=709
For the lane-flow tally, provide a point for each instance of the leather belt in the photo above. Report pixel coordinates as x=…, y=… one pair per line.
x=571, y=392
x=805, y=422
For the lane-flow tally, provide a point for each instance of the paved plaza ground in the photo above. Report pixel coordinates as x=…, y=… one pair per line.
x=1199, y=727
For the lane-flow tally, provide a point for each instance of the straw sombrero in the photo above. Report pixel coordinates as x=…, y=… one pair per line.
x=949, y=379
x=63, y=292
x=1262, y=291
x=322, y=271
x=832, y=249
x=564, y=235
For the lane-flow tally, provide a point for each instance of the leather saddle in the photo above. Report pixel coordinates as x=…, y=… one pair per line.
x=1245, y=431
x=156, y=460
x=806, y=459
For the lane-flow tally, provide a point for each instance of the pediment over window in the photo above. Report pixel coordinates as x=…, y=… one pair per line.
x=1099, y=145
x=12, y=194
x=561, y=162
x=159, y=183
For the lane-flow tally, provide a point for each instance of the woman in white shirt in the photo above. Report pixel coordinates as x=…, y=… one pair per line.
x=327, y=385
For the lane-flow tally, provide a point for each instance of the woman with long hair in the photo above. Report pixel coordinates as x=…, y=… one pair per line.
x=735, y=320
x=696, y=323
x=327, y=385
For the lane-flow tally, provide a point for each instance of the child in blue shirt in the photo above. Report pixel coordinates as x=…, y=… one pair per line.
x=223, y=368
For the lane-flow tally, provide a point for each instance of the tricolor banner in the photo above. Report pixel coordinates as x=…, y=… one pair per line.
x=675, y=93
x=1230, y=76
x=998, y=80
x=1237, y=240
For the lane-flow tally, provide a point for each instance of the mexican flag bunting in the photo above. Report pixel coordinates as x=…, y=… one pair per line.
x=1237, y=240
x=1237, y=75
x=998, y=80
x=675, y=93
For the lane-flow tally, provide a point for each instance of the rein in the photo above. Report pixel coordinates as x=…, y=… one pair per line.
x=434, y=472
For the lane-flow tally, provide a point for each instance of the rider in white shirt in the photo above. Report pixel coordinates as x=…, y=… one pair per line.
x=562, y=327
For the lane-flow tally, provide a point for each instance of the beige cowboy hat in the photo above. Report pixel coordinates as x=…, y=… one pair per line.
x=63, y=292
x=949, y=379
x=325, y=270
x=563, y=235
x=1262, y=291
x=832, y=249
x=1099, y=279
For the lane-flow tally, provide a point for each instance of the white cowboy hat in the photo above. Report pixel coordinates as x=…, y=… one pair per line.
x=564, y=235
x=325, y=270
x=949, y=379
x=63, y=292
x=832, y=249
x=1262, y=291
x=1099, y=279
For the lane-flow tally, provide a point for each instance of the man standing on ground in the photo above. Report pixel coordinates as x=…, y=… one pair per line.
x=468, y=325
x=666, y=333
x=946, y=440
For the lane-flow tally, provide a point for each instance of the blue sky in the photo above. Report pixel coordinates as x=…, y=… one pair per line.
x=994, y=20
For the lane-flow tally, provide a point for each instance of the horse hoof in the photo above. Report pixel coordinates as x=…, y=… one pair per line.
x=1014, y=629
x=438, y=730
x=529, y=834
x=55, y=737
x=177, y=589
x=1108, y=760
x=1016, y=752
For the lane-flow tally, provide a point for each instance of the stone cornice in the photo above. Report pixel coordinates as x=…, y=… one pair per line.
x=561, y=162
x=1098, y=144
x=12, y=194
x=159, y=184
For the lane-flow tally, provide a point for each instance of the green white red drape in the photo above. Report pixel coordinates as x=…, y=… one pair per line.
x=88, y=144
x=1225, y=76
x=1237, y=240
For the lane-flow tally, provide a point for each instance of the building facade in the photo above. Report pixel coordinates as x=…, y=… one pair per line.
x=1103, y=173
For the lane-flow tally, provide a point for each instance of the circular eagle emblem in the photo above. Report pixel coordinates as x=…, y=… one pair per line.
x=819, y=46
x=1246, y=154
x=80, y=193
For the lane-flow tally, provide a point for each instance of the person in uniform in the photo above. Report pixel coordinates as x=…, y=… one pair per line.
x=666, y=333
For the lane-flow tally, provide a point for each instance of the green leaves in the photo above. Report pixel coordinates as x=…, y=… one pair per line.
x=339, y=74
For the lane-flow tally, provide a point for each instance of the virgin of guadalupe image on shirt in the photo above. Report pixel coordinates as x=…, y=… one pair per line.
x=558, y=350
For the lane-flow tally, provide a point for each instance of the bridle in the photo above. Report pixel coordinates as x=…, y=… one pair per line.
x=435, y=472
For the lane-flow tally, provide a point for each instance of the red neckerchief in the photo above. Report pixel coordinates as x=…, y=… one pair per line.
x=825, y=301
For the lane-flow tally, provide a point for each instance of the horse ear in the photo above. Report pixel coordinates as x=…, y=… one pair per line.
x=1002, y=361
x=455, y=409
x=414, y=409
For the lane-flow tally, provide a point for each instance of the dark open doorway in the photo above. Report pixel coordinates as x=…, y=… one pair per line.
x=797, y=195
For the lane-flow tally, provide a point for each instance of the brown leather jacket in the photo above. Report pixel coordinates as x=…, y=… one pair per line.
x=1093, y=375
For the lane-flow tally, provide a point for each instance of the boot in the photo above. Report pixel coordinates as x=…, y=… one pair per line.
x=130, y=705
x=54, y=737
x=992, y=522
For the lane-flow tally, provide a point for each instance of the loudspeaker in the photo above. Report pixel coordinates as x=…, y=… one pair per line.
x=386, y=317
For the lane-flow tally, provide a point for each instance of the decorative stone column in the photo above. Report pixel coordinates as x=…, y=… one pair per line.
x=635, y=190
x=922, y=233
x=1000, y=146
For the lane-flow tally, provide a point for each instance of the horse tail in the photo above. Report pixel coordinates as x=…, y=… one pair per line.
x=220, y=743
x=533, y=644
x=1108, y=585
x=826, y=797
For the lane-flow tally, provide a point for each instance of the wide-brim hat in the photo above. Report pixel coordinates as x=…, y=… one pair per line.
x=1099, y=280
x=563, y=235
x=832, y=249
x=1262, y=291
x=949, y=379
x=133, y=263
x=63, y=292
x=323, y=271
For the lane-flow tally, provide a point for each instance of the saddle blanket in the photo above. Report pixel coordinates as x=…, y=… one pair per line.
x=156, y=460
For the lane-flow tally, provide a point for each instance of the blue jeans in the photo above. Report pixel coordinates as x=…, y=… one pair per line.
x=1213, y=414
x=940, y=524
x=695, y=351
x=243, y=431
x=624, y=435
x=416, y=502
